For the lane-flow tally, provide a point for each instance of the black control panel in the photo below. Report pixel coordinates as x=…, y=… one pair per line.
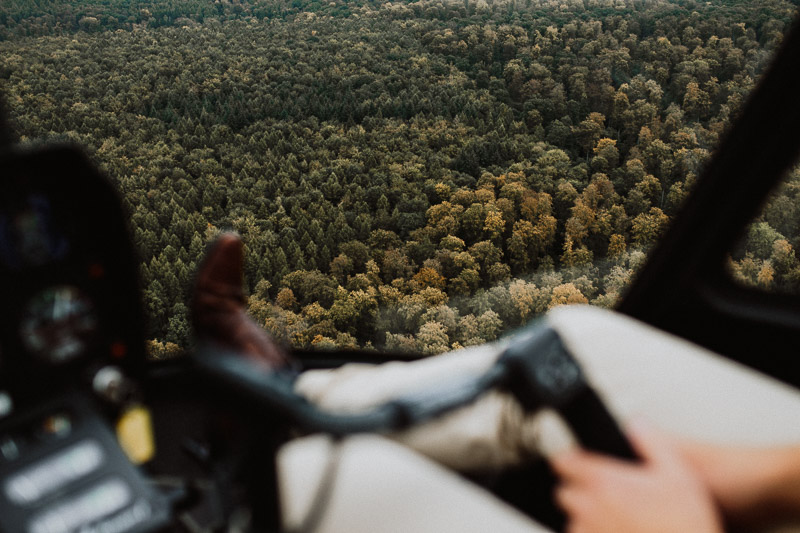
x=67, y=276
x=61, y=470
x=70, y=323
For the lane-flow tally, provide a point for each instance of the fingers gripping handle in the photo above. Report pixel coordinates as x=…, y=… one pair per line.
x=542, y=373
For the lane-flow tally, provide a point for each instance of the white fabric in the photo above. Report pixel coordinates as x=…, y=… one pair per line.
x=638, y=371
x=483, y=436
x=382, y=487
x=641, y=371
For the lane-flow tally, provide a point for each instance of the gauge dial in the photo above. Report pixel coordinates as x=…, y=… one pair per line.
x=28, y=235
x=58, y=324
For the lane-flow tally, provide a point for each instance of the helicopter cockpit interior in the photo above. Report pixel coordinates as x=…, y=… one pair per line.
x=94, y=437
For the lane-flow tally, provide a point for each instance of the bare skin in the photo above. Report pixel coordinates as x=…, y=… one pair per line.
x=660, y=494
x=753, y=486
x=679, y=486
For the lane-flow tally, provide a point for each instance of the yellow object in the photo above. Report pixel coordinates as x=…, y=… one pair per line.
x=135, y=435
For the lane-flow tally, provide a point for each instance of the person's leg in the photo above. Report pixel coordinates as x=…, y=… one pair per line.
x=636, y=369
x=684, y=389
x=483, y=436
x=368, y=484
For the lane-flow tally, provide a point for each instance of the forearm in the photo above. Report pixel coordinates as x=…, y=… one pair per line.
x=754, y=486
x=782, y=487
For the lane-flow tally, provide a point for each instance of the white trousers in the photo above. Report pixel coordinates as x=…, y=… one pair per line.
x=382, y=486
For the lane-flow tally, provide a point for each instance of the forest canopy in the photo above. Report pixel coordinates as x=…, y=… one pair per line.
x=406, y=175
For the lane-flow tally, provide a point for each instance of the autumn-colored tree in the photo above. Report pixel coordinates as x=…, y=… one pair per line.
x=567, y=294
x=647, y=227
x=428, y=278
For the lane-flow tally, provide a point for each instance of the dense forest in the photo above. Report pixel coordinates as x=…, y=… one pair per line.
x=406, y=175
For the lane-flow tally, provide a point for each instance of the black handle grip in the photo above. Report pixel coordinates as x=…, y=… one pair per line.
x=594, y=427
x=542, y=373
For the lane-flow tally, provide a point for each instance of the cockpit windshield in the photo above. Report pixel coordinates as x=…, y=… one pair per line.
x=412, y=176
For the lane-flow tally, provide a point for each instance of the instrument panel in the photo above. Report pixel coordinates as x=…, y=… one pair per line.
x=68, y=293
x=69, y=313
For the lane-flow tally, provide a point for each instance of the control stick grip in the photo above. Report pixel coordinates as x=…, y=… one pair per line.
x=594, y=427
x=540, y=372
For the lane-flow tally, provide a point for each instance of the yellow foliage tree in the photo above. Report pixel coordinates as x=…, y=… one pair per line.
x=567, y=294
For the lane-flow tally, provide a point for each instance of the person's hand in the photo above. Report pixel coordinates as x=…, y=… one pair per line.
x=661, y=493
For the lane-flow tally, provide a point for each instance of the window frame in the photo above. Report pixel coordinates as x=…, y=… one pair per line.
x=685, y=286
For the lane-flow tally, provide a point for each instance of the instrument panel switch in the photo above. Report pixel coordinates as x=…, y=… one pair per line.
x=46, y=477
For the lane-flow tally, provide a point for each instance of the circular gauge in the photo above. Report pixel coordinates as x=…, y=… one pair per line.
x=58, y=324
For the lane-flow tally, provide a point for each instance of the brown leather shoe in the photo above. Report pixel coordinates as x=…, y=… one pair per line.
x=218, y=306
